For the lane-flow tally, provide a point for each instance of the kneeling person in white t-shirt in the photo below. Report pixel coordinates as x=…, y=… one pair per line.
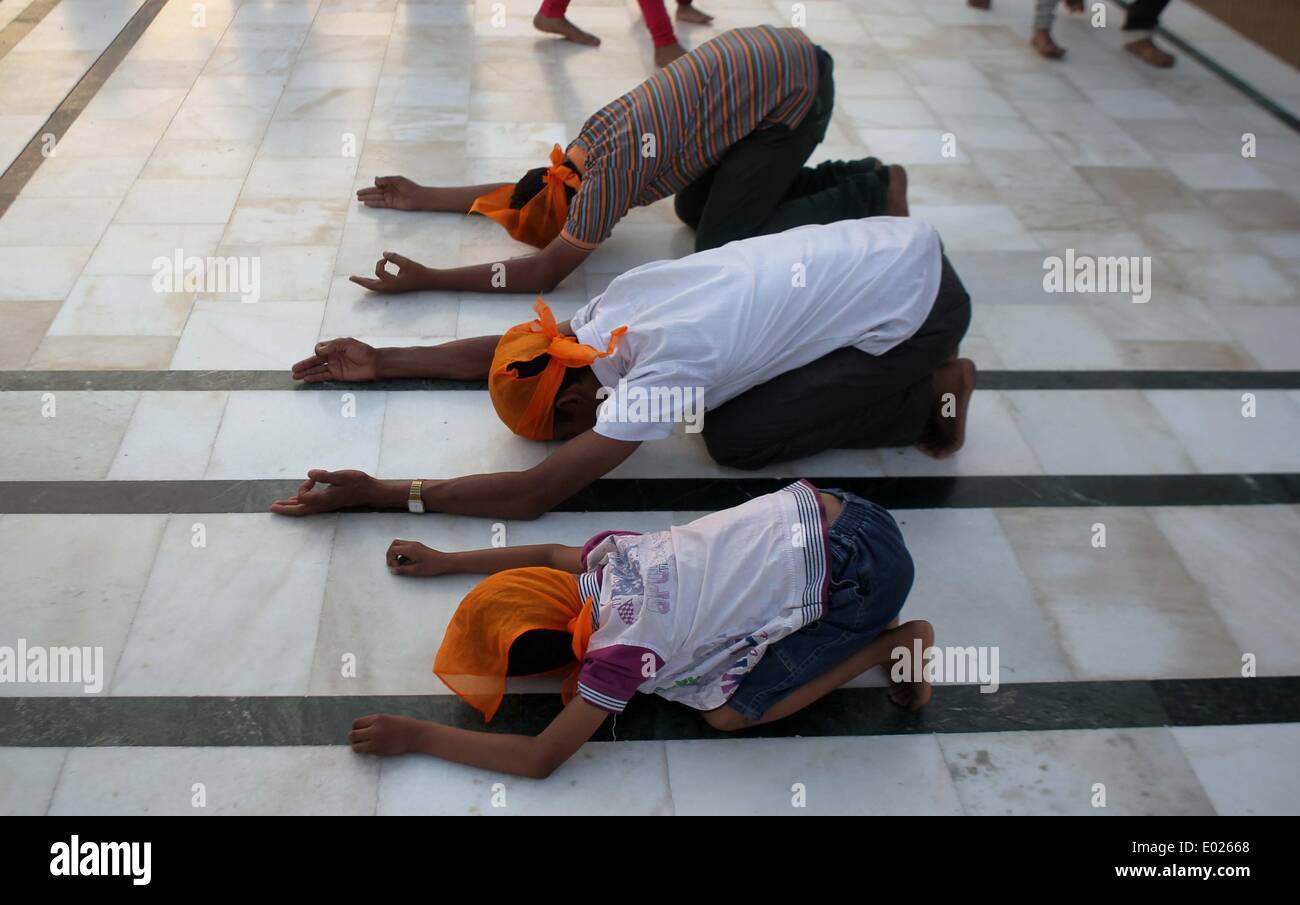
x=725, y=615
x=776, y=347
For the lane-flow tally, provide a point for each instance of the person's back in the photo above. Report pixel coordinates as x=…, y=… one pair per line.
x=730, y=318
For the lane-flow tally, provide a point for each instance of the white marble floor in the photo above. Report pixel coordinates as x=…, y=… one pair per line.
x=246, y=136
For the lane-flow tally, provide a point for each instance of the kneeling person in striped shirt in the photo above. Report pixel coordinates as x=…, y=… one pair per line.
x=727, y=129
x=747, y=615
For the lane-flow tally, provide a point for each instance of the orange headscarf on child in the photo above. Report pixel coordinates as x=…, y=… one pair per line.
x=475, y=650
x=527, y=404
x=542, y=217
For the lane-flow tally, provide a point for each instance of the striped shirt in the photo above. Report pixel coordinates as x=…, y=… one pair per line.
x=675, y=126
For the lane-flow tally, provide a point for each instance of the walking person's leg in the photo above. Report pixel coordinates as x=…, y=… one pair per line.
x=551, y=19
x=1140, y=23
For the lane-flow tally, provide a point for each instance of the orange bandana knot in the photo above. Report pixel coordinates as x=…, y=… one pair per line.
x=540, y=220
x=474, y=656
x=527, y=404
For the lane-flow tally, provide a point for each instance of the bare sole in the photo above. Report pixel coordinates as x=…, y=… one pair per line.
x=945, y=435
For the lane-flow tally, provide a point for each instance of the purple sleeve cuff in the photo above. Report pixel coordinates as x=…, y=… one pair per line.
x=610, y=676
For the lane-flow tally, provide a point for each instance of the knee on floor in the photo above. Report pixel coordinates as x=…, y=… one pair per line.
x=724, y=719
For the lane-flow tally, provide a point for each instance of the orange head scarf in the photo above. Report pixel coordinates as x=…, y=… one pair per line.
x=527, y=404
x=542, y=217
x=475, y=651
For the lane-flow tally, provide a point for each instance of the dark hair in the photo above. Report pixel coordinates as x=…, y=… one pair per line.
x=535, y=366
x=532, y=183
x=539, y=651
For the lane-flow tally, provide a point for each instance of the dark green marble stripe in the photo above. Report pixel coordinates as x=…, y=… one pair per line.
x=265, y=721
x=674, y=494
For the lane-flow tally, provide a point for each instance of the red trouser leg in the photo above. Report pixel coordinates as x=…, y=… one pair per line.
x=656, y=20
x=554, y=9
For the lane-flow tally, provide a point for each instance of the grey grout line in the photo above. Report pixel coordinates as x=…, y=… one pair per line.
x=1008, y=380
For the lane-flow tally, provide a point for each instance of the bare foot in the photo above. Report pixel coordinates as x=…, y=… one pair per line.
x=688, y=13
x=896, y=195
x=385, y=735
x=913, y=695
x=666, y=54
x=1147, y=51
x=980, y=4
x=1046, y=47
x=558, y=25
x=946, y=433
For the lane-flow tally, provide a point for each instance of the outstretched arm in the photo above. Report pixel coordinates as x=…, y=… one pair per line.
x=540, y=272
x=352, y=360
x=402, y=194
x=510, y=494
x=409, y=557
x=520, y=755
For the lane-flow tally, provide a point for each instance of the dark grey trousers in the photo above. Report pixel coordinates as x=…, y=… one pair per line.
x=847, y=399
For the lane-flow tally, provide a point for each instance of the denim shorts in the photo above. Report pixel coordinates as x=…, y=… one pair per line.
x=871, y=575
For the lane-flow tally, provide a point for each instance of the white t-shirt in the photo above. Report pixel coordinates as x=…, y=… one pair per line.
x=719, y=322
x=687, y=613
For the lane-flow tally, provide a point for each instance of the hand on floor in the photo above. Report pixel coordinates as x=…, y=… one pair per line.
x=396, y=192
x=410, y=276
x=338, y=490
x=338, y=359
x=410, y=557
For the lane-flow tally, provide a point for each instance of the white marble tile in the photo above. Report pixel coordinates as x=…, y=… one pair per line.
x=448, y=434
x=28, y=775
x=1125, y=434
x=768, y=777
x=1220, y=438
x=1267, y=333
x=133, y=248
x=1125, y=610
x=61, y=436
x=121, y=305
x=56, y=221
x=84, y=177
x=1244, y=558
x=48, y=272
x=1245, y=770
x=982, y=227
x=283, y=434
x=322, y=178
x=971, y=589
x=306, y=781
x=286, y=222
x=606, y=778
x=80, y=25
x=1203, y=171
x=170, y=433
x=179, y=201
x=1046, y=337
x=1143, y=772
x=353, y=310
x=264, y=336
x=994, y=445
x=235, y=615
x=91, y=603
x=179, y=159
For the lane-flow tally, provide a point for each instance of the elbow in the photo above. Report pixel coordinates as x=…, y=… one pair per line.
x=541, y=764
